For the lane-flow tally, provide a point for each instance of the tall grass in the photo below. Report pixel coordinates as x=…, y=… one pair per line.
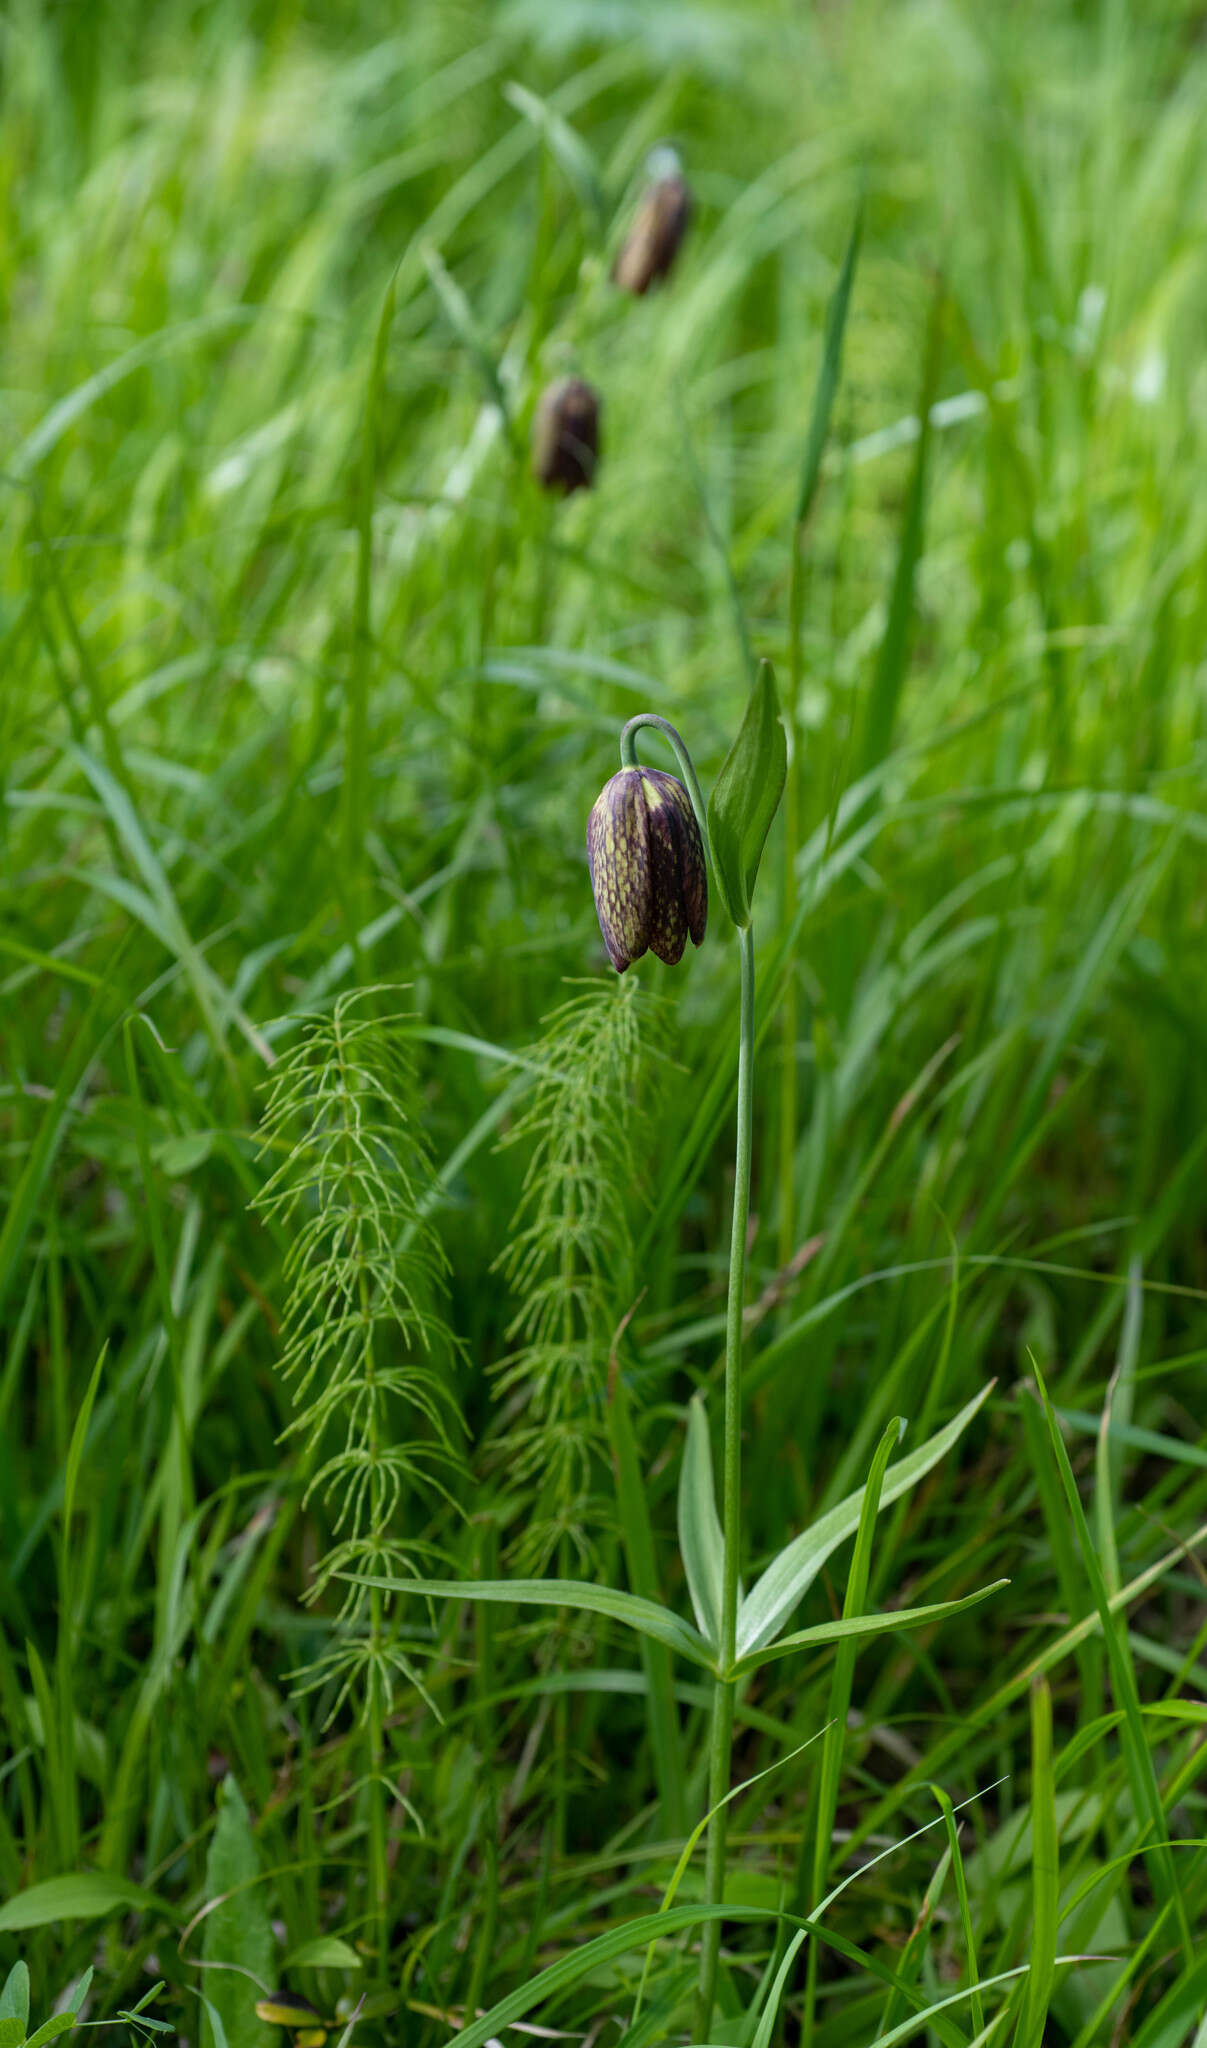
x=308, y=690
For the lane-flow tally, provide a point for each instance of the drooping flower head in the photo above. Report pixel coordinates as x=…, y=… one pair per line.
x=565, y=436
x=661, y=221
x=647, y=866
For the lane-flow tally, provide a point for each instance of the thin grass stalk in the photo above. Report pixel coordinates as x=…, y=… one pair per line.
x=815, y=442
x=356, y=710
x=378, y=1853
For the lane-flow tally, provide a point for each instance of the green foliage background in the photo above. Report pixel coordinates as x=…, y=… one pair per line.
x=306, y=687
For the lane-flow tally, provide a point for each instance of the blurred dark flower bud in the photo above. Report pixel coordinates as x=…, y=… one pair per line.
x=565, y=435
x=647, y=867
x=653, y=240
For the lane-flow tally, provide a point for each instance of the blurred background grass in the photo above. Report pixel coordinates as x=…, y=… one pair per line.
x=306, y=685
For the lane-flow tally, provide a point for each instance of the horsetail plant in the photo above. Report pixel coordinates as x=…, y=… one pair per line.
x=363, y=1332
x=569, y=1259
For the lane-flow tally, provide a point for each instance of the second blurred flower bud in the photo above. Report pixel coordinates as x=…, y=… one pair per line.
x=646, y=858
x=652, y=242
x=565, y=435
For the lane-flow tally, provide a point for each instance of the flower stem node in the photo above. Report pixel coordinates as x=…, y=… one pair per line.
x=565, y=436
x=646, y=857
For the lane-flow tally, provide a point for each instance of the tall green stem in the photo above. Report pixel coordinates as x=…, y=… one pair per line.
x=374, y=1790
x=792, y=808
x=731, y=1513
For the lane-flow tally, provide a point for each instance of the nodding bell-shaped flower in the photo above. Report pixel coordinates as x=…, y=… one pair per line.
x=646, y=858
x=652, y=242
x=565, y=436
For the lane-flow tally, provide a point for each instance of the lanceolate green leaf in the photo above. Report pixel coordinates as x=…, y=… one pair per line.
x=237, y=1932
x=58, y=2023
x=325, y=1952
x=646, y=1616
x=770, y=1602
x=865, y=1625
x=746, y=796
x=14, y=1999
x=700, y=1539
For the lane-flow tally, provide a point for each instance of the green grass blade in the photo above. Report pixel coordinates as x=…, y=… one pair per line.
x=1141, y=1769
x=1045, y=1874
x=826, y=389
x=962, y=1900
x=637, y=1536
x=826, y=1798
x=701, y=1542
x=880, y=714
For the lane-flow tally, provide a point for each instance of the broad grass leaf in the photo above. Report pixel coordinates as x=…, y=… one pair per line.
x=238, y=1931
x=86, y=1895
x=14, y=1999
